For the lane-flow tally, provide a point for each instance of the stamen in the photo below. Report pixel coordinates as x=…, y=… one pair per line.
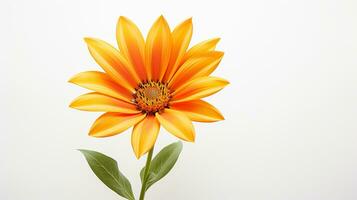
x=152, y=97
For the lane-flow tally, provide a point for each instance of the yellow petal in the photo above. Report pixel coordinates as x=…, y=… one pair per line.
x=199, y=110
x=199, y=88
x=102, y=83
x=196, y=67
x=110, y=124
x=181, y=37
x=201, y=48
x=144, y=135
x=177, y=123
x=158, y=49
x=111, y=60
x=101, y=103
x=131, y=43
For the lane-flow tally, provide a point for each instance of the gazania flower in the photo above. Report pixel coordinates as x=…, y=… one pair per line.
x=152, y=83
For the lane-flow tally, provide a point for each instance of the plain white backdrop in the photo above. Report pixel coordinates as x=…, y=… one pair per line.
x=291, y=112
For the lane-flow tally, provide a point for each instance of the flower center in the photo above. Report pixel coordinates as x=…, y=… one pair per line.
x=152, y=97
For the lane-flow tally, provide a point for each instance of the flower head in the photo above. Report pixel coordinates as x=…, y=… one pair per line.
x=150, y=83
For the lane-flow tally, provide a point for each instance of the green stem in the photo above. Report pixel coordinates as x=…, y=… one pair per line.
x=146, y=173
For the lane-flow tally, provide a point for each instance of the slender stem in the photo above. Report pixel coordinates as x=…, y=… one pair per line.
x=146, y=173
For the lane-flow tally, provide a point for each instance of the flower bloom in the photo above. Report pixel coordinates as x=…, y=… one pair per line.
x=150, y=83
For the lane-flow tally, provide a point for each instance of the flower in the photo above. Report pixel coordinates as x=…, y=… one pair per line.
x=150, y=83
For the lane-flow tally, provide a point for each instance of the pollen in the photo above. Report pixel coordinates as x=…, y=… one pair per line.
x=151, y=97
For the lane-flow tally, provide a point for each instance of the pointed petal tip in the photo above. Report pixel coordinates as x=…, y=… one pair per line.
x=141, y=154
x=123, y=19
x=187, y=139
x=90, y=133
x=215, y=40
x=73, y=104
x=72, y=79
x=161, y=19
x=94, y=134
x=224, y=81
x=87, y=39
x=90, y=40
x=188, y=20
x=77, y=76
x=192, y=139
x=220, y=53
x=193, y=136
x=219, y=117
x=137, y=152
x=137, y=155
x=222, y=118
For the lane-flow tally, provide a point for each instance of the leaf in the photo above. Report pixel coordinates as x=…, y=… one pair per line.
x=106, y=169
x=162, y=163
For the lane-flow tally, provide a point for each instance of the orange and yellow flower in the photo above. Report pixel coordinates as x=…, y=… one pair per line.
x=150, y=83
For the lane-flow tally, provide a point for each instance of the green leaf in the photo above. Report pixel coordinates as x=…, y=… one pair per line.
x=162, y=163
x=106, y=169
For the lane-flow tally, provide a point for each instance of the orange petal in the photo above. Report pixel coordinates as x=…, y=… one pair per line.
x=201, y=48
x=199, y=88
x=196, y=67
x=110, y=124
x=199, y=110
x=131, y=43
x=158, y=49
x=113, y=62
x=177, y=123
x=181, y=37
x=144, y=135
x=101, y=103
x=102, y=83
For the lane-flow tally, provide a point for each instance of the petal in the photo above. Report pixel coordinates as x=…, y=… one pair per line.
x=101, y=103
x=110, y=124
x=131, y=43
x=199, y=88
x=144, y=135
x=158, y=49
x=181, y=37
x=177, y=123
x=102, y=83
x=199, y=110
x=201, y=48
x=111, y=60
x=196, y=67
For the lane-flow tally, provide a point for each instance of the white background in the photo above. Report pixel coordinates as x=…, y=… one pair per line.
x=290, y=128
